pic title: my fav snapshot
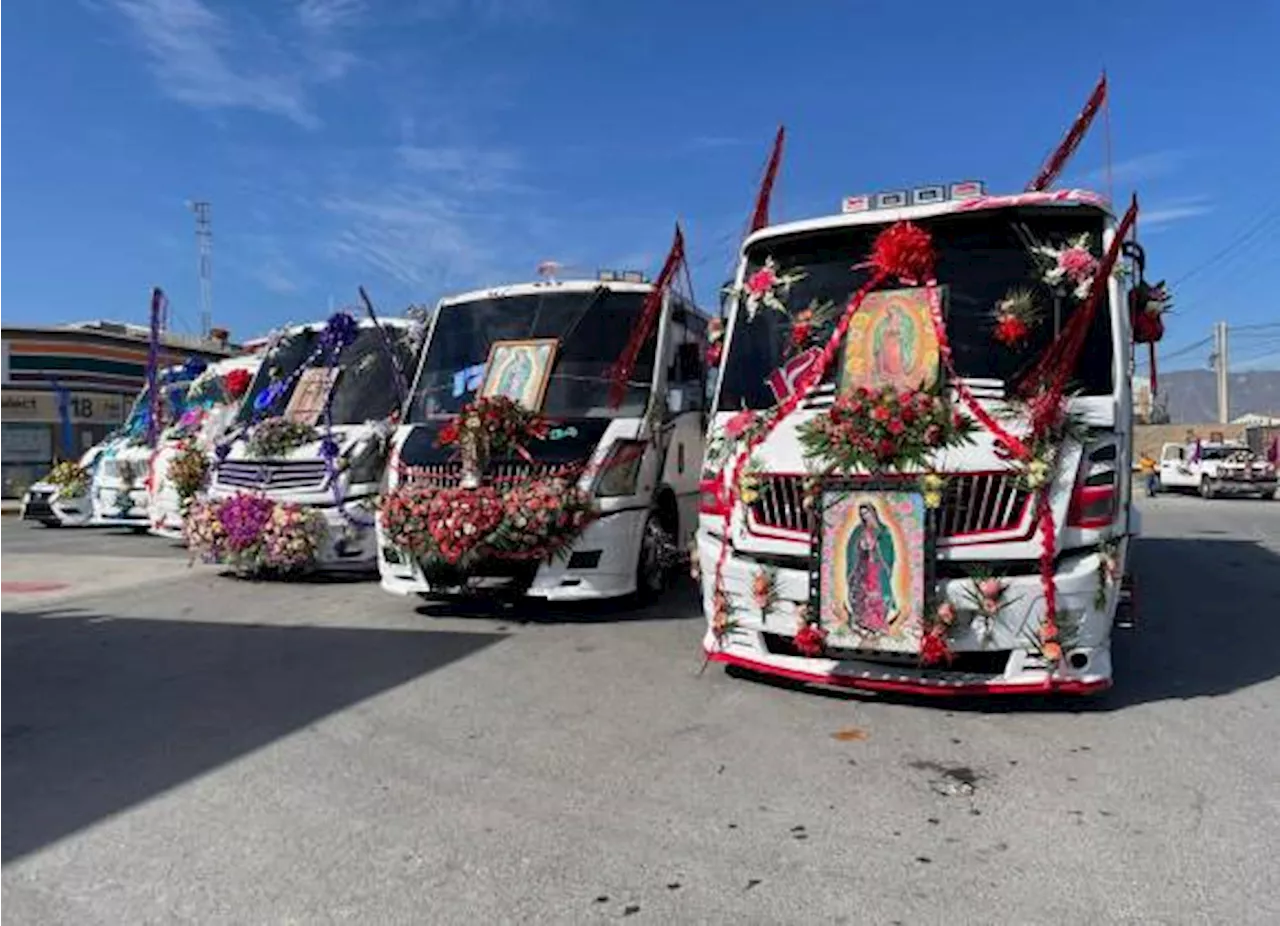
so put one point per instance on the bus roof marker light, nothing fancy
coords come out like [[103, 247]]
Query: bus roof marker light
[[632, 276], [852, 204], [607, 276], [894, 199], [928, 195], [969, 189]]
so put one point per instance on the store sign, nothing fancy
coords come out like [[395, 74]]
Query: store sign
[[84, 407], [27, 443]]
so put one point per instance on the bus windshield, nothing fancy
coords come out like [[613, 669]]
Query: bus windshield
[[982, 256], [365, 389], [591, 329]]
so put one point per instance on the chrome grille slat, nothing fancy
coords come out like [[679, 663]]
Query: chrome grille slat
[[971, 503], [269, 475]]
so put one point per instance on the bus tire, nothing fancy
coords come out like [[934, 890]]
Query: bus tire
[[1206, 487], [652, 568]]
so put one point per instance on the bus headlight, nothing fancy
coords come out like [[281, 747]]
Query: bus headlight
[[620, 470]]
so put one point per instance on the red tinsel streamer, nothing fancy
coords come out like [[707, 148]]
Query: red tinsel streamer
[[647, 323], [760, 216], [1048, 551], [1067, 147]]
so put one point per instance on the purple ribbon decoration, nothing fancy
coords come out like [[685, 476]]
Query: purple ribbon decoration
[[153, 360]]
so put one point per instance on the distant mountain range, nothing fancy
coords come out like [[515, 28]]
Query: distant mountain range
[[1191, 396]]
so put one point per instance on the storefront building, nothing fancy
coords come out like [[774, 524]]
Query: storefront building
[[95, 369]]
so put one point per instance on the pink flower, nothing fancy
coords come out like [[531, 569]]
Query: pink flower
[[946, 613], [990, 606], [990, 587], [736, 426], [761, 281], [1078, 264]]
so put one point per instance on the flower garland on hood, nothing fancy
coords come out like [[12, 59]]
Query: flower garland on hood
[[537, 518]]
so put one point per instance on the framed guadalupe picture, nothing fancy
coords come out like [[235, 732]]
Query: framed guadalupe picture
[[892, 342], [310, 394], [520, 370], [872, 570]]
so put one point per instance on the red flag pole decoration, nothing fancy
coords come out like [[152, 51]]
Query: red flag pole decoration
[[760, 217], [647, 323], [1058, 159]]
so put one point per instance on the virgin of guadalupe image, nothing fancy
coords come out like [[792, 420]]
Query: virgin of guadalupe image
[[869, 558], [514, 378], [894, 343]]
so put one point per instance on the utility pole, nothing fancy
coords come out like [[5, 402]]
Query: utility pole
[[204, 247], [1220, 363]]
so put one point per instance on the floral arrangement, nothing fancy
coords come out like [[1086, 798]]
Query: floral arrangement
[[493, 424], [502, 423], [534, 519], [188, 471], [255, 534], [764, 590], [810, 637], [931, 486], [767, 288], [1071, 267], [739, 429], [1016, 315], [715, 342], [934, 645], [884, 430], [236, 383], [987, 596], [70, 478], [278, 437], [811, 324], [1147, 306]]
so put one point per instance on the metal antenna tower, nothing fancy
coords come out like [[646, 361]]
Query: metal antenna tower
[[204, 245]]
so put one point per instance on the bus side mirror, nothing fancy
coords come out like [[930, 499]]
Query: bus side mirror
[[688, 363], [675, 400]]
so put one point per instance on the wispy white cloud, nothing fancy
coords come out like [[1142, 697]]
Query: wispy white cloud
[[467, 169], [421, 240], [202, 58], [1163, 215], [1139, 169], [279, 276], [322, 16]]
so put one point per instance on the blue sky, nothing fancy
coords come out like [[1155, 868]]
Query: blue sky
[[425, 147]]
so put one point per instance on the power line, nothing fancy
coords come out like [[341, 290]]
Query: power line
[[1244, 236]]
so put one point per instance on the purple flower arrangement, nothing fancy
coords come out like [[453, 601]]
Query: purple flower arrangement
[[254, 534]]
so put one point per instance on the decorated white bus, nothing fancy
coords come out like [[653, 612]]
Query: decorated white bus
[[917, 475], [119, 487], [552, 444], [184, 455], [295, 480]]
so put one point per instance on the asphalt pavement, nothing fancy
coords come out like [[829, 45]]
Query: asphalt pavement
[[193, 748]]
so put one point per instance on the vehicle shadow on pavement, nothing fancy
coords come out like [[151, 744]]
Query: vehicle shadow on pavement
[[102, 713], [1205, 623], [679, 602]]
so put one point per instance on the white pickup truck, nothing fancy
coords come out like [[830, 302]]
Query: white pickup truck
[[1215, 468]]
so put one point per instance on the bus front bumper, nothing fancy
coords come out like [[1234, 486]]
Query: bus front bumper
[[601, 565], [1004, 660]]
